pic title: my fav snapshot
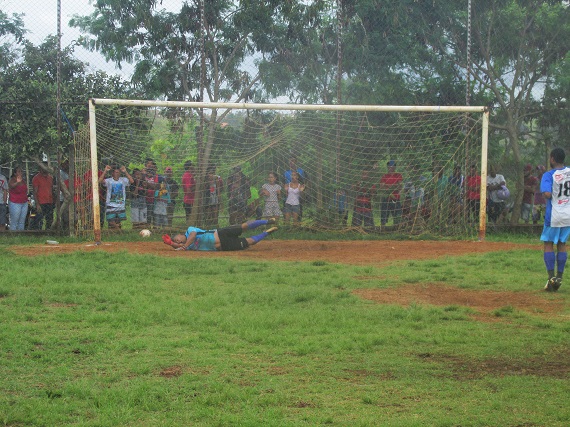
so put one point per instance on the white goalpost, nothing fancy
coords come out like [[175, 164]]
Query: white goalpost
[[343, 155]]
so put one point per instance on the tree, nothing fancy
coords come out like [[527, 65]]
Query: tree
[[11, 28], [28, 90], [169, 54], [418, 51], [28, 119], [516, 44], [554, 120]]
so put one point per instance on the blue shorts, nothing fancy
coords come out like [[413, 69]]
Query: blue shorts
[[116, 216], [555, 234]]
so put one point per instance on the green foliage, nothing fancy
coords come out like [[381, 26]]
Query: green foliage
[[28, 90], [165, 46], [554, 119], [12, 33]]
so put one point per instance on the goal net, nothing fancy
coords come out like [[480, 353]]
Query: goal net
[[366, 169]]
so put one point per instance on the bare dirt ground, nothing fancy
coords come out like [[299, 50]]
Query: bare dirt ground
[[373, 253], [376, 253]]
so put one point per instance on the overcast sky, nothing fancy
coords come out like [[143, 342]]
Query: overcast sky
[[41, 20]]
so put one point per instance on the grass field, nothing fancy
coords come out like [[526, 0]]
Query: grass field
[[122, 339]]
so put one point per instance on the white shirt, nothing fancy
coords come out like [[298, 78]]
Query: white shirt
[[3, 187], [560, 215], [491, 181], [272, 189], [116, 192], [293, 195]]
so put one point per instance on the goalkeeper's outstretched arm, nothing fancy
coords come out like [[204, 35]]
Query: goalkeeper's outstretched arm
[[179, 241]]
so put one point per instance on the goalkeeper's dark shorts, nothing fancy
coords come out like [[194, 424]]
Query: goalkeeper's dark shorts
[[230, 239]]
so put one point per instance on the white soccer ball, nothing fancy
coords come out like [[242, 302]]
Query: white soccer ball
[[145, 233]]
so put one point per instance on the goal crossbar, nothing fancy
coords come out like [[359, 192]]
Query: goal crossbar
[[304, 107]]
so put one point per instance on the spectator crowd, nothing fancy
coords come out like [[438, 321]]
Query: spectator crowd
[[149, 198]]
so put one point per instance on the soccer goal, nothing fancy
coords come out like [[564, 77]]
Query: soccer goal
[[358, 168]]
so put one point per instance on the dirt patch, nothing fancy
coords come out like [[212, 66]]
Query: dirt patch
[[484, 303], [171, 372], [375, 253], [555, 365]]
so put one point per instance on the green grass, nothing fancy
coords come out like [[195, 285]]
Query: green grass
[[101, 339]]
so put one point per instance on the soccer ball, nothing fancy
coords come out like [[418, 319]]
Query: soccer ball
[[145, 233]]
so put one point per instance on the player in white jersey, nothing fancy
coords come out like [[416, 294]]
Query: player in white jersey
[[555, 186]]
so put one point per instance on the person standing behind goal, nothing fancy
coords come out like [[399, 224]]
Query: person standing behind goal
[[391, 184], [116, 185], [530, 184], [189, 188], [42, 187], [138, 200], [3, 202], [271, 192], [473, 193], [555, 186]]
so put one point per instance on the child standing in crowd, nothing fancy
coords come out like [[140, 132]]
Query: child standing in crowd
[[363, 191], [530, 187], [271, 192], [238, 195], [213, 196], [162, 198], [116, 194], [4, 201], [539, 201], [173, 189], [293, 191], [138, 200], [189, 188]]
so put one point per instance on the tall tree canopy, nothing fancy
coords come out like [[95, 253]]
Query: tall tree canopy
[[12, 31], [28, 89], [165, 46]]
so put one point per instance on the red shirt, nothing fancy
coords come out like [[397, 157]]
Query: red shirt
[[531, 181], [189, 186], [43, 188], [19, 194], [473, 187], [538, 197], [89, 187], [392, 179], [363, 199], [150, 192], [76, 186]]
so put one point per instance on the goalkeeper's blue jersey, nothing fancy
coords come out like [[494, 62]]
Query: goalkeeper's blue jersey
[[205, 239]]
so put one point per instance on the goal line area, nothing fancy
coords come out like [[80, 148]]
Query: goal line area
[[372, 169]]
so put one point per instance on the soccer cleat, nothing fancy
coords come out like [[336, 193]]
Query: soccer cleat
[[271, 221], [271, 230], [557, 283], [550, 283]]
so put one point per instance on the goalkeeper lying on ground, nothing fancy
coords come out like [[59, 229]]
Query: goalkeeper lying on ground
[[224, 239]]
